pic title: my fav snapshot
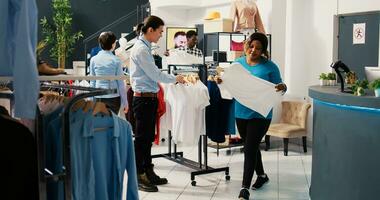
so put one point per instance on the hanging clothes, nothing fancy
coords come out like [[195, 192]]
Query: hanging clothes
[[130, 116], [97, 173], [161, 109], [187, 110], [99, 158], [19, 157], [220, 115], [18, 41], [247, 15]]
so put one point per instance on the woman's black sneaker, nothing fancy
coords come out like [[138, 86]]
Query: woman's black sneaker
[[260, 181], [244, 194]]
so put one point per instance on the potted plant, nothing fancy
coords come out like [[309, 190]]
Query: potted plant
[[375, 85], [331, 79], [323, 79], [58, 33], [358, 88]]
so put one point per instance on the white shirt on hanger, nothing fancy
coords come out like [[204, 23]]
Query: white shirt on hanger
[[185, 111]]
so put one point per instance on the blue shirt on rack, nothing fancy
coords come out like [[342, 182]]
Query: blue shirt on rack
[[107, 64], [266, 70], [18, 41], [99, 158], [143, 71]]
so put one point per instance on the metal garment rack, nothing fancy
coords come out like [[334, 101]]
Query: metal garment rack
[[217, 146], [65, 176], [45, 175], [201, 168]]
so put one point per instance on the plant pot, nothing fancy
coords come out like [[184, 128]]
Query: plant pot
[[377, 92], [322, 82], [325, 82], [330, 82]]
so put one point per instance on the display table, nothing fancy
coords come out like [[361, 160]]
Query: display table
[[346, 145]]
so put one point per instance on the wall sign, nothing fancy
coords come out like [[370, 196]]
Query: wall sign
[[358, 34]]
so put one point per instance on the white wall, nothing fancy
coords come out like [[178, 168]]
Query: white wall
[[354, 6], [311, 42], [309, 39]]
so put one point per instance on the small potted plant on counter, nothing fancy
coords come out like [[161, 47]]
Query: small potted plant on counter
[[375, 85], [331, 79], [323, 79], [358, 88]]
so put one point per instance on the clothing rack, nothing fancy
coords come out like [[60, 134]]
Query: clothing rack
[[66, 175], [201, 168], [45, 175], [214, 71]]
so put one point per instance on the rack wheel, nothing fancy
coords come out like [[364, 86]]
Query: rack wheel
[[228, 152], [162, 139], [193, 183], [228, 177], [242, 150]]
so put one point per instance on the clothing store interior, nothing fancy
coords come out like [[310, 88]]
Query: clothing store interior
[[190, 99]]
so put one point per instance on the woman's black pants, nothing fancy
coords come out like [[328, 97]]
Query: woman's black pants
[[252, 131]]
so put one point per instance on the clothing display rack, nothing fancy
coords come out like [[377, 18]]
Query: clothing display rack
[[65, 176], [200, 167], [217, 146], [44, 175]]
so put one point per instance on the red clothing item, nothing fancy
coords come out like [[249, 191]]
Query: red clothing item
[[130, 116], [161, 109]]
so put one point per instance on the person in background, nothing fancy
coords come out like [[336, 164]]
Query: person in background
[[145, 76], [251, 125], [105, 63], [192, 40], [246, 17]]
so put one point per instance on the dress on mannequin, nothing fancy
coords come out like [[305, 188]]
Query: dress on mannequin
[[246, 16]]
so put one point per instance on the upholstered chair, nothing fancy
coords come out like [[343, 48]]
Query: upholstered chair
[[292, 124]]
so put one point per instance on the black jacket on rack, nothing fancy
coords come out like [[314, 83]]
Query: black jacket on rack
[[19, 172]]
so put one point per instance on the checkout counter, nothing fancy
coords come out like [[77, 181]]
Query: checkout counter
[[346, 145]]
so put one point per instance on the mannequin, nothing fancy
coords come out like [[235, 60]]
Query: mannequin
[[246, 17]]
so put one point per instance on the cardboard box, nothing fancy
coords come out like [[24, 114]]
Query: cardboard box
[[233, 55], [217, 25]]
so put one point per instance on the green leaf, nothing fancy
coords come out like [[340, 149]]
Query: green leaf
[[57, 31]]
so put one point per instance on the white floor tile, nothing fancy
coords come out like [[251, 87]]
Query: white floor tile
[[289, 175]]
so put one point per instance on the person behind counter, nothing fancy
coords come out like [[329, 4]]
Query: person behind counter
[[105, 63], [251, 125], [145, 76]]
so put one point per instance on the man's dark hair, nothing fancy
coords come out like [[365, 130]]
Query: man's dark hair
[[106, 40], [153, 22], [179, 33], [191, 33]]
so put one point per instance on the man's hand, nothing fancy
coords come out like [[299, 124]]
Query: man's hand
[[281, 87], [218, 80], [166, 53], [180, 79]]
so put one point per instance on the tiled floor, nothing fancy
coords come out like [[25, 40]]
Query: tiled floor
[[289, 176]]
